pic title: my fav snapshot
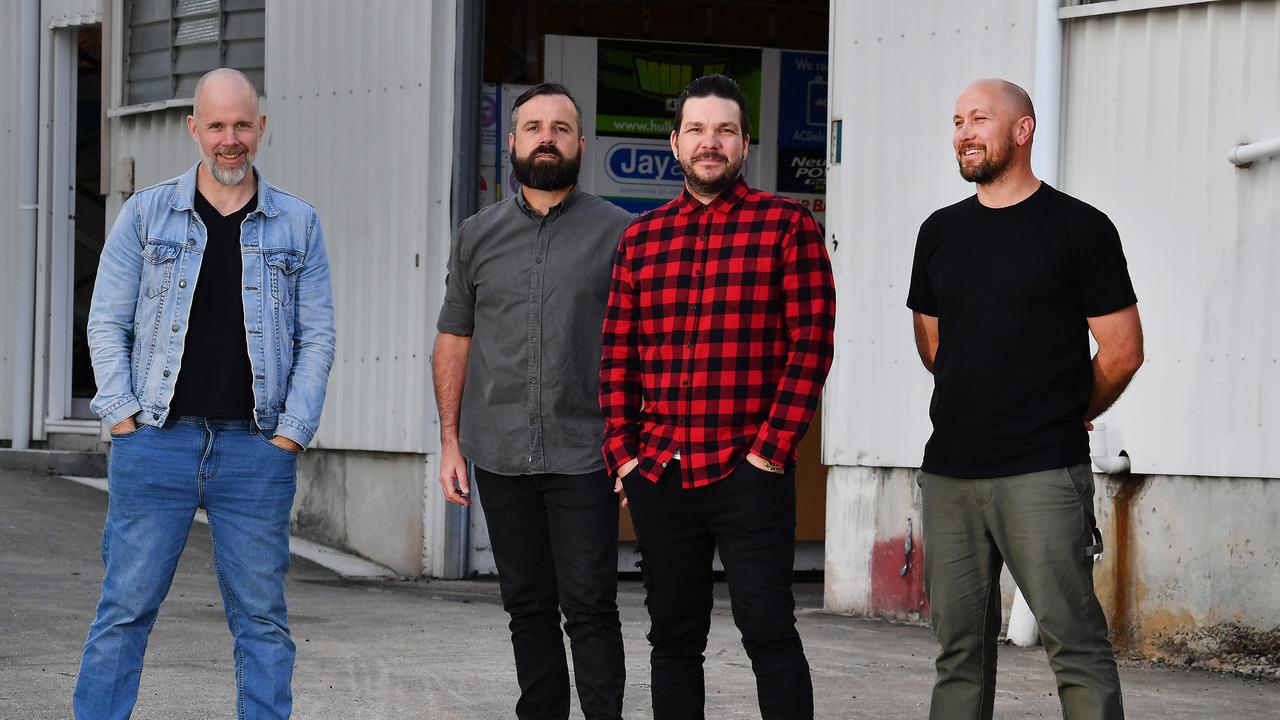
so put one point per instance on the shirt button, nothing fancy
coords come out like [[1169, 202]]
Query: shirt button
[[182, 283], [166, 373], [537, 260], [155, 416], [174, 327], [682, 382]]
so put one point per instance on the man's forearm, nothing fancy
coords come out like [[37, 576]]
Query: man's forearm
[[448, 374], [1110, 378]]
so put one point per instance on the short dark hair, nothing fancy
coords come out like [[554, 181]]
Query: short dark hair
[[546, 88], [721, 86]]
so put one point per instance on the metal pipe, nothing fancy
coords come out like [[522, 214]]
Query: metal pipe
[[28, 209], [1047, 92], [1047, 96], [469, 59], [1246, 155]]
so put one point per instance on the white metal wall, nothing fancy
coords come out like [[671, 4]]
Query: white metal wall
[[1154, 101], [10, 44], [896, 69], [359, 123], [361, 126]]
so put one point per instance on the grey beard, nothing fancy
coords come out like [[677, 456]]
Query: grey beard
[[230, 176]]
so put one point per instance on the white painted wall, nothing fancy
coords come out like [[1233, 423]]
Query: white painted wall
[[896, 69], [1154, 101]]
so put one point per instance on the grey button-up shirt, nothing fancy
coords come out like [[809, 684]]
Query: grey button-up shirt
[[531, 293]]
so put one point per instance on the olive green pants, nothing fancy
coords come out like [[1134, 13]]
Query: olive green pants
[[1042, 525]]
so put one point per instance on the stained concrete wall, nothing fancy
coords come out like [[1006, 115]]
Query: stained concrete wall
[[1187, 559], [368, 503], [1187, 556]]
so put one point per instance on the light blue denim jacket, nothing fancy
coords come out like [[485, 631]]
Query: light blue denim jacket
[[144, 290]]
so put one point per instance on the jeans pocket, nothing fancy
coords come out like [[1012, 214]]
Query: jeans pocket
[[279, 450], [132, 433]]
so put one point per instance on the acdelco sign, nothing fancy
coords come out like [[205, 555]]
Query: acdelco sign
[[636, 163]]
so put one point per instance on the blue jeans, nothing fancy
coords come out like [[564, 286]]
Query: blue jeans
[[158, 477]]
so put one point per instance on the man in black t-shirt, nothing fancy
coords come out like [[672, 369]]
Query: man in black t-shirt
[[1006, 287]]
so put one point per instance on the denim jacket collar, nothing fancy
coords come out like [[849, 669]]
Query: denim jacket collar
[[184, 193]]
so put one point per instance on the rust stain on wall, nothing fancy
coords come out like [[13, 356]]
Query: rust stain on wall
[[1122, 548]]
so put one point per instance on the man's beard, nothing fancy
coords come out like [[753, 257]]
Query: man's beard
[[547, 175], [229, 175], [713, 186], [995, 161]]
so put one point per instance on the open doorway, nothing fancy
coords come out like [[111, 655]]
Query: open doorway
[[89, 208], [77, 229], [530, 41]]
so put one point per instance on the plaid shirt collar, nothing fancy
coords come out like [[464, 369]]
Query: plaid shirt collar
[[724, 203]]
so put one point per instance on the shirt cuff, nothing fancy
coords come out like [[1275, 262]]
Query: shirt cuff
[[773, 445]]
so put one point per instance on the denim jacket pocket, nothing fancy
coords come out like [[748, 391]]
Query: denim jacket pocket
[[157, 271], [284, 265]]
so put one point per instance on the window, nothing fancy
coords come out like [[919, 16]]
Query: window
[[169, 44]]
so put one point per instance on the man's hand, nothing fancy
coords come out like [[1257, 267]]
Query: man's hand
[[453, 476], [286, 444], [624, 471], [763, 464], [124, 427]]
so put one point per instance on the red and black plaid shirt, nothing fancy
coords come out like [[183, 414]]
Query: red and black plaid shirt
[[718, 334]]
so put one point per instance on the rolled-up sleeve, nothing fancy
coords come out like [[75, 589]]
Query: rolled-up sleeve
[[457, 314]]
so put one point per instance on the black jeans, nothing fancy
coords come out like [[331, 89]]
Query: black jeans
[[751, 517], [555, 542]]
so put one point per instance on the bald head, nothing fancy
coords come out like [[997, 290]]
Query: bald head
[[226, 125], [225, 85], [995, 123], [1010, 97]]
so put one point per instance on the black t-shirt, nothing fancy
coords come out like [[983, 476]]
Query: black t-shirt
[[215, 379], [1012, 288]]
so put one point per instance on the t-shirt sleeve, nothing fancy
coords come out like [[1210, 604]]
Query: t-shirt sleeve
[[457, 314], [920, 296], [1105, 286]]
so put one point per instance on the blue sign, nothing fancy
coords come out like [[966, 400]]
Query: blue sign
[[648, 164], [802, 100]]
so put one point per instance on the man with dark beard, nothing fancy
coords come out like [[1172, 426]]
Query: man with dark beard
[[717, 340], [1006, 287], [515, 381]]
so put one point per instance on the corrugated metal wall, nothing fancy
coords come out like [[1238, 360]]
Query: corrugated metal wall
[[1154, 101], [10, 45], [62, 13], [360, 125], [896, 71]]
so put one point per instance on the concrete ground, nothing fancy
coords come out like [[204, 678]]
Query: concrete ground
[[439, 650]]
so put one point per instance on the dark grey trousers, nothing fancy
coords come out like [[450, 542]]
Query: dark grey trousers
[[1042, 525]]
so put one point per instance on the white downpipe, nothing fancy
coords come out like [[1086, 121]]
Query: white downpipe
[[1047, 92], [1100, 452], [1047, 96], [1023, 630], [24, 307], [1245, 155]]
